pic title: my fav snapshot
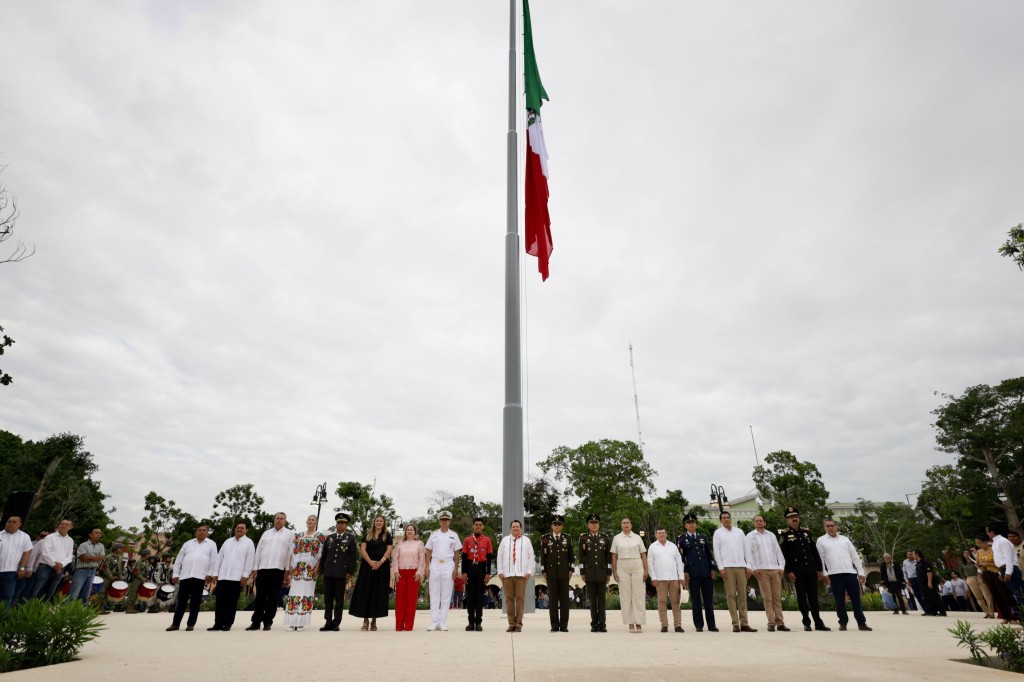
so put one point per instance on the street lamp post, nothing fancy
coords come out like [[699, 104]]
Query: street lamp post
[[319, 497], [719, 501]]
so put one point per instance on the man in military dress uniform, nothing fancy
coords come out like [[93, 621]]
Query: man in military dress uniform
[[595, 567], [337, 564], [700, 574], [803, 567], [557, 560]]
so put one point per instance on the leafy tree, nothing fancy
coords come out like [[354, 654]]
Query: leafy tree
[[783, 481], [490, 512], [60, 471], [363, 503], [876, 529], [607, 477], [540, 502], [985, 428], [239, 503], [165, 526], [1014, 246], [956, 502], [664, 512]]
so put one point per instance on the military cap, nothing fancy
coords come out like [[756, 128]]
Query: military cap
[[444, 514], [146, 552], [792, 511], [593, 517], [557, 518], [342, 516], [690, 517], [117, 545]]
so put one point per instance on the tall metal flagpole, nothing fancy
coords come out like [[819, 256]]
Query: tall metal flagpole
[[512, 415]]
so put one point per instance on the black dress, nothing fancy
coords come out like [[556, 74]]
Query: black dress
[[370, 595]]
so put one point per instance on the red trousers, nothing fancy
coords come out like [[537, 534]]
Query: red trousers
[[407, 592]]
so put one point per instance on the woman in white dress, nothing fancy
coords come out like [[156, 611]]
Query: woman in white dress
[[298, 608]]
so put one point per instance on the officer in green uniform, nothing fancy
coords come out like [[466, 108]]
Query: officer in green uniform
[[596, 569], [557, 561], [803, 567]]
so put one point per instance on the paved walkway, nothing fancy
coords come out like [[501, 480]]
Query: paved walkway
[[900, 648]]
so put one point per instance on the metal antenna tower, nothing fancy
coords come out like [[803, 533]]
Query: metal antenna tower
[[636, 400], [756, 460]]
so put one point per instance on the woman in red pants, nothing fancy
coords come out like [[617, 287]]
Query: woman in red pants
[[407, 576]]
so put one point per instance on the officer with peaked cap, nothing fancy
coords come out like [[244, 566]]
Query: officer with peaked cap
[[557, 561], [337, 564], [803, 567], [701, 572], [595, 567]]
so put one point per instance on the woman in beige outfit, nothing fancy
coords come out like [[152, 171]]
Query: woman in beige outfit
[[629, 568]]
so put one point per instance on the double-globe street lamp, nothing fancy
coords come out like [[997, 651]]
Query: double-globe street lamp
[[319, 497], [719, 501]]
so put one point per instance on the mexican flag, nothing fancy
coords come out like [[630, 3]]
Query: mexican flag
[[538, 222]]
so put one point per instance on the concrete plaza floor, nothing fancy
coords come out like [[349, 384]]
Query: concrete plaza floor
[[135, 646]]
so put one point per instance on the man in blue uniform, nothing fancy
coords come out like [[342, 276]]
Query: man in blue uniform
[[701, 572]]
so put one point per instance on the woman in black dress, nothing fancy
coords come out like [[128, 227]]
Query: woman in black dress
[[370, 595]]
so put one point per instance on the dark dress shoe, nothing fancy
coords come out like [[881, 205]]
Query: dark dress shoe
[[326, 628], [807, 628], [266, 627], [190, 628], [254, 626], [679, 628], [700, 629], [712, 629], [215, 628], [747, 628], [864, 627], [664, 628], [604, 628], [782, 628], [595, 629], [172, 628], [735, 628], [479, 628], [470, 628], [565, 629], [842, 627], [821, 627], [554, 629], [225, 628]]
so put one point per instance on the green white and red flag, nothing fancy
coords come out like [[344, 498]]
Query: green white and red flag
[[537, 221]]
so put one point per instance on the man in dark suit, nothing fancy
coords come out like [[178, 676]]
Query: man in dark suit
[[892, 578], [701, 572]]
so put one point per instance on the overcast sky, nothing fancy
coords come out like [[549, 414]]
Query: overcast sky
[[269, 238]]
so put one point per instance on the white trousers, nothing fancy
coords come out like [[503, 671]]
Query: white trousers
[[441, 583]]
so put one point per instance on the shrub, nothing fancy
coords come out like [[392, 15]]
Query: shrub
[[1008, 643], [38, 633]]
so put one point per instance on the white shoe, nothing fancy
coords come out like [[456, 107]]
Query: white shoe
[[432, 628], [443, 627]]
